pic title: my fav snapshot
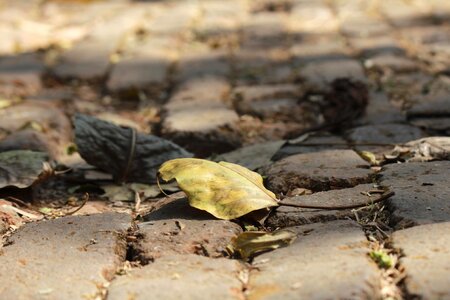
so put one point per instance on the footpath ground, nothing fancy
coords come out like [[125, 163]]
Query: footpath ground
[[239, 81]]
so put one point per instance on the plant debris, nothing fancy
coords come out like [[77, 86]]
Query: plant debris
[[23, 168], [250, 243], [225, 190], [127, 155]]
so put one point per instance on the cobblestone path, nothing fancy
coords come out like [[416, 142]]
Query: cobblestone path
[[237, 78]]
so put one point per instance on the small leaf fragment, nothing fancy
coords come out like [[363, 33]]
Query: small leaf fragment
[[225, 190], [250, 243], [369, 157], [23, 168], [382, 259]]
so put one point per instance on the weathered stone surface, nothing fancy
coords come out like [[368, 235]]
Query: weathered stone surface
[[362, 26], [199, 120], [383, 134], [263, 30], [312, 17], [432, 111], [285, 216], [66, 258], [268, 65], [174, 20], [181, 277], [380, 111], [219, 21], [388, 62], [178, 228], [431, 105], [254, 156], [52, 126], [146, 68], [318, 171], [20, 75], [320, 74], [28, 139], [280, 102], [313, 143], [372, 46], [426, 251], [326, 261], [200, 61], [320, 50], [400, 14], [90, 58], [421, 193]]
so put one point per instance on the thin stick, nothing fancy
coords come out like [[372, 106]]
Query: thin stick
[[382, 198], [159, 186], [85, 200]]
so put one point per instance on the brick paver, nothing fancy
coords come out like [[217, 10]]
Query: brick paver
[[68, 258]]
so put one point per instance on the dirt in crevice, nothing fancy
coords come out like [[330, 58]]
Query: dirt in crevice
[[376, 225]]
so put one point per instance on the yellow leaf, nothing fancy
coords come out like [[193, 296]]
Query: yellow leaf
[[223, 189], [369, 157], [250, 243]]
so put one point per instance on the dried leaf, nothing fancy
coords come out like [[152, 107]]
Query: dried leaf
[[425, 149], [250, 243], [113, 149], [22, 168], [225, 190], [369, 157]]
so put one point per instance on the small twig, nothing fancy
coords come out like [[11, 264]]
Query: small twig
[[382, 198], [137, 202], [159, 186], [85, 200], [18, 201]]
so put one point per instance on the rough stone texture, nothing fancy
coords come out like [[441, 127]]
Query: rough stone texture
[[66, 258], [426, 251], [53, 132], [263, 30], [320, 50], [383, 134], [313, 143], [265, 65], [362, 26], [319, 75], [20, 75], [318, 171], [266, 101], [388, 62], [326, 261], [421, 191], [372, 46], [177, 228], [280, 102], [174, 20], [285, 216], [200, 120], [181, 277], [431, 111], [146, 68], [90, 59], [199, 61], [380, 111], [254, 156], [312, 17]]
